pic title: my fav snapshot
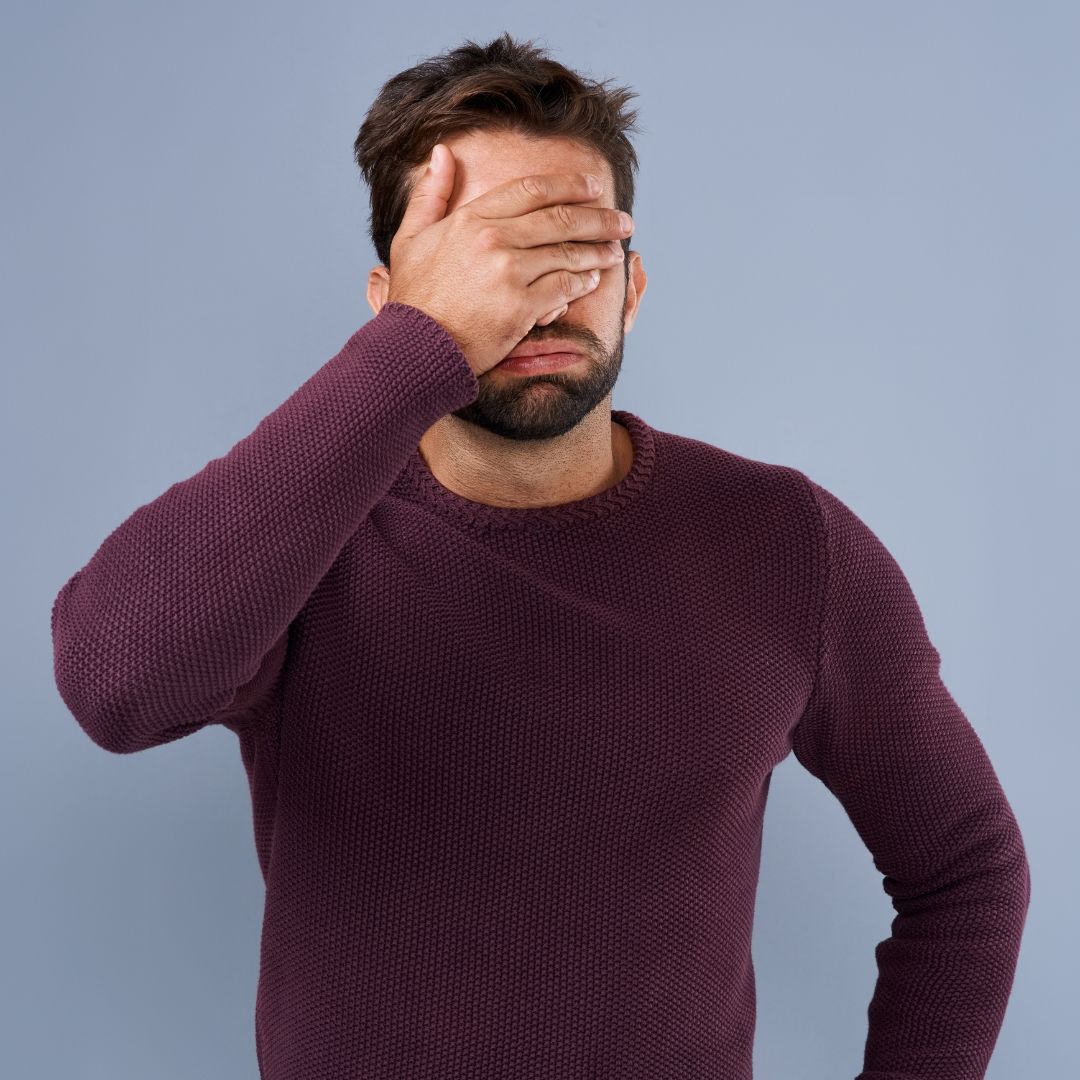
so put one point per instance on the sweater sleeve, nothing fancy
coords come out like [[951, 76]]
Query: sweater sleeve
[[180, 619], [884, 735]]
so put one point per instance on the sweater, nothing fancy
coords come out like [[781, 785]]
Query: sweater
[[508, 765]]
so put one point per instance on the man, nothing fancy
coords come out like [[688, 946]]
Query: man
[[510, 670]]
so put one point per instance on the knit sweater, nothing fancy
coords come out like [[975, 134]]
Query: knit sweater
[[508, 765]]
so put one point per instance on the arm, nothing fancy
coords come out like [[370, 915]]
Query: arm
[[884, 735], [180, 618]]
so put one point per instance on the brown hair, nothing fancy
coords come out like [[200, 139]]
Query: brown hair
[[504, 85]]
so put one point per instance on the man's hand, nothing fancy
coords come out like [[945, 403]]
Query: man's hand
[[512, 258]]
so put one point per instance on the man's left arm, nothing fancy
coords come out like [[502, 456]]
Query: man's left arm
[[885, 736]]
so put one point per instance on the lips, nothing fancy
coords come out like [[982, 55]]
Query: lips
[[538, 348], [539, 363]]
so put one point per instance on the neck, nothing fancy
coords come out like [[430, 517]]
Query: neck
[[487, 468]]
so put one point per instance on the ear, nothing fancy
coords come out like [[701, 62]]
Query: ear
[[378, 287], [635, 290]]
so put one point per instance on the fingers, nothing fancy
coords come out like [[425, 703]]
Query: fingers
[[555, 291], [555, 224], [525, 193], [533, 262], [551, 316], [431, 192]]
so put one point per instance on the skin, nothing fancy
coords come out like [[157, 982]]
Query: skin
[[537, 440]]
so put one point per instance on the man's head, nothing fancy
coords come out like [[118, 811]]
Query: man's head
[[507, 110]]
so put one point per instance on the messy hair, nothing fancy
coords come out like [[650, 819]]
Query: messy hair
[[505, 85]]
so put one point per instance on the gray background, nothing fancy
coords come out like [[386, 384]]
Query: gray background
[[860, 226]]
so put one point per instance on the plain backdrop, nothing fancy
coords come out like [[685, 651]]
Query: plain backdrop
[[860, 226]]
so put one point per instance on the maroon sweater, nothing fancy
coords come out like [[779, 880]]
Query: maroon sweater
[[509, 766]]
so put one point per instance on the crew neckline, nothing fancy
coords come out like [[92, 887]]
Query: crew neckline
[[419, 483]]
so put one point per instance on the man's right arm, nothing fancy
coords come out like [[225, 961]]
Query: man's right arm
[[180, 617]]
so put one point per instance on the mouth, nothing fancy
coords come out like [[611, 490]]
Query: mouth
[[536, 363]]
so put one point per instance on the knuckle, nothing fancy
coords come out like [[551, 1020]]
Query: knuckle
[[569, 253], [569, 284], [564, 216], [533, 185], [464, 217], [505, 261], [489, 238]]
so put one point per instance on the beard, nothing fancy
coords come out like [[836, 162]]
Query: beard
[[549, 404]]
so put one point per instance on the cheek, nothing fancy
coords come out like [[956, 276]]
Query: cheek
[[601, 310]]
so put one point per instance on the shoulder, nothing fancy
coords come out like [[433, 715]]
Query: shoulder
[[744, 492]]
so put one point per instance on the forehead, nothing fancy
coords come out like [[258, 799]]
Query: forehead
[[485, 159]]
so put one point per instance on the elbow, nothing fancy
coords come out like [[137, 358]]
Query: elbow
[[1014, 867], [117, 715], [88, 673], [1023, 885], [121, 725], [123, 718], [1006, 884], [101, 712], [91, 696]]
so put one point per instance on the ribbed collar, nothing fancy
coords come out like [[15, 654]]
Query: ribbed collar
[[418, 483]]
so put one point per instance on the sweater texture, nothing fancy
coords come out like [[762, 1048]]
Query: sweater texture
[[509, 766]]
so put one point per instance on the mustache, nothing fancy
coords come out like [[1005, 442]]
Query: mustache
[[586, 341]]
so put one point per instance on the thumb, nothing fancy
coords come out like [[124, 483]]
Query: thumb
[[431, 192]]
